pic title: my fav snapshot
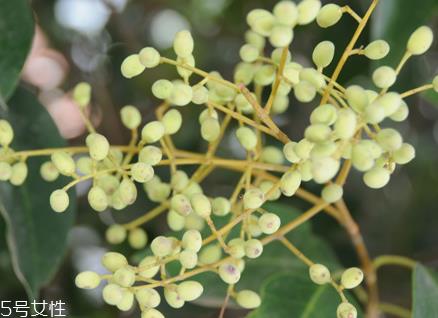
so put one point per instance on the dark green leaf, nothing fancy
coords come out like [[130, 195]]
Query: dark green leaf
[[36, 235], [275, 258], [294, 295], [16, 31], [424, 293]]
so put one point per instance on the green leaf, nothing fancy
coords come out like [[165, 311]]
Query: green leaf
[[16, 32], [36, 235], [424, 292], [294, 295], [275, 258]]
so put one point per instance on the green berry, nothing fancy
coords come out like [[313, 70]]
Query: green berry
[[97, 199], [389, 139], [87, 280], [329, 15], [172, 121], [181, 204], [98, 146], [162, 89], [18, 173], [5, 171], [150, 155], [152, 132], [304, 91], [390, 102], [420, 41], [229, 273], [269, 223], [162, 246], [190, 290], [332, 192], [221, 206], [210, 254], [325, 114], [323, 54], [253, 248], [148, 267], [401, 113], [84, 165], [181, 95], [152, 313], [345, 125], [112, 294], [374, 114], [281, 36], [148, 298], [435, 83], [48, 171], [317, 132], [308, 11], [352, 277], [172, 297], [265, 75], [82, 94], [115, 234], [127, 191], [188, 259], [384, 77], [404, 154], [247, 138], [59, 200], [192, 240], [271, 154], [244, 73], [124, 276], [63, 162], [290, 153], [243, 105], [127, 301], [266, 186], [249, 53], [376, 50], [131, 116], [292, 72], [324, 169], [277, 53], [319, 274], [6, 133], [112, 261], [137, 238], [346, 310], [280, 103], [142, 172], [261, 21], [210, 129], [131, 66], [183, 43], [248, 299], [255, 39], [290, 182], [201, 205], [187, 61], [175, 221], [236, 247], [376, 178], [357, 98], [286, 13], [253, 198], [149, 57], [200, 94], [179, 180]]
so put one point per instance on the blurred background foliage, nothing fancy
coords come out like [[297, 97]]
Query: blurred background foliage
[[401, 219]]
